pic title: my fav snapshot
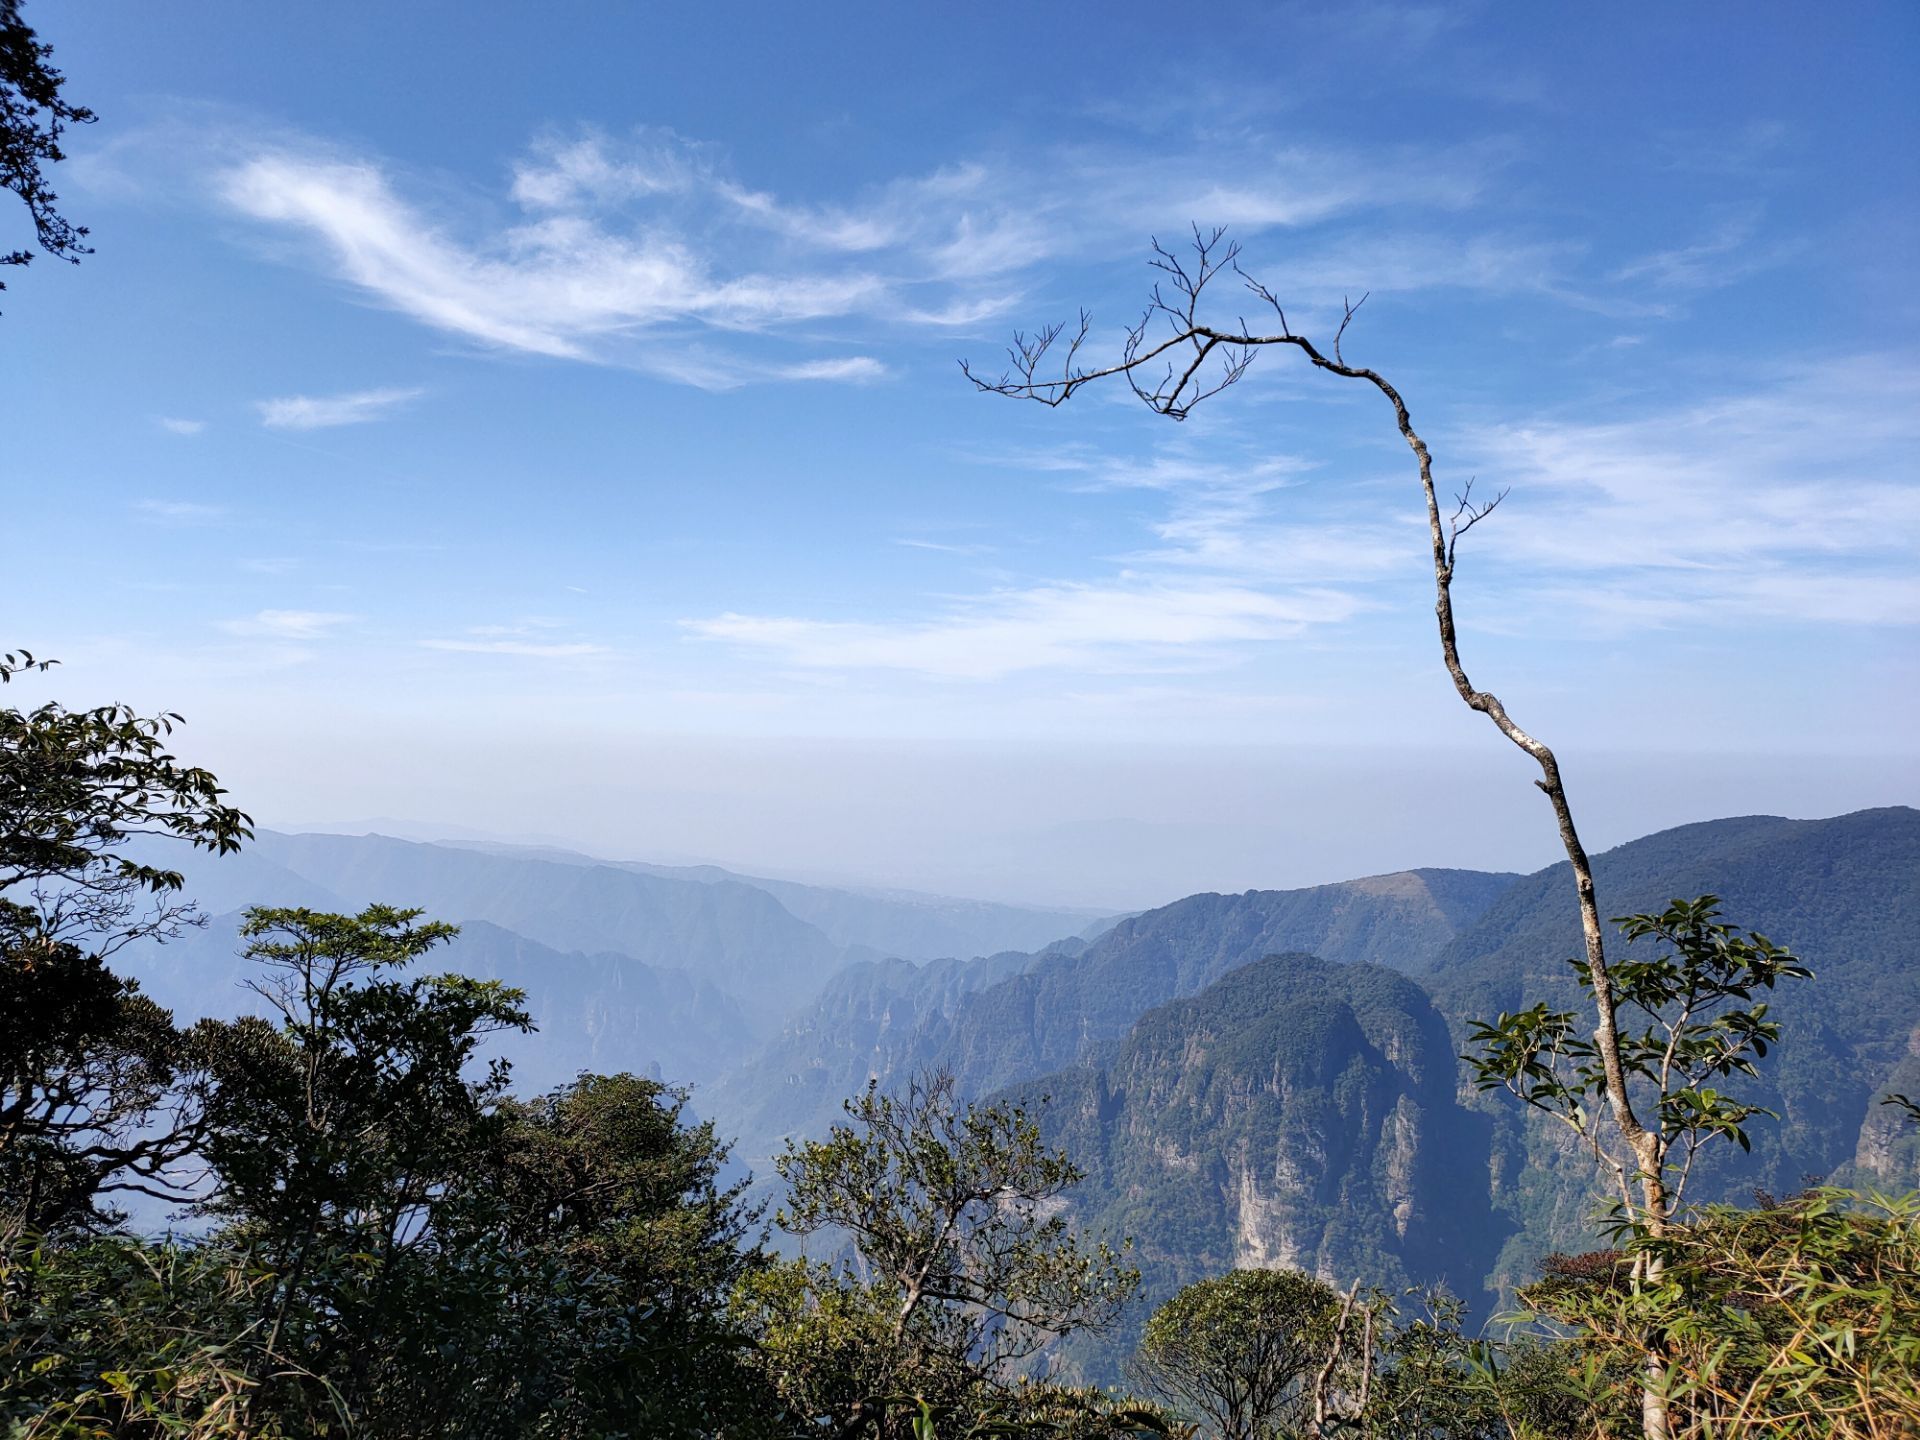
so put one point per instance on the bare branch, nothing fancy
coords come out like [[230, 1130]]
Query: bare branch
[[1346, 319], [1473, 514]]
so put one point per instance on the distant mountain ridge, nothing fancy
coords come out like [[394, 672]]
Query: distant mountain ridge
[[722, 961], [1235, 1108], [1173, 1025], [1066, 1005], [895, 924], [1014, 1017]]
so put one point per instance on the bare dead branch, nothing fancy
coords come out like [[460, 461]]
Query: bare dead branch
[[1181, 387], [1469, 513]]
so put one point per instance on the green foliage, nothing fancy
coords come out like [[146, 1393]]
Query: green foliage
[[1239, 1351], [337, 1137], [356, 1108], [1700, 1022], [1043, 1412], [1432, 1380], [1798, 1318], [85, 1060], [33, 116], [824, 1340], [116, 1336], [962, 1267], [619, 1247]]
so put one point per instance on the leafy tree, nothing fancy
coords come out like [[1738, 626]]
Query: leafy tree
[[607, 1249], [1797, 1317], [336, 1136], [86, 1061], [962, 1267], [33, 117], [1700, 1022], [1239, 1351]]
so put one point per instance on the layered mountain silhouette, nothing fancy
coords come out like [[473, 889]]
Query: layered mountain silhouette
[[1267, 1078]]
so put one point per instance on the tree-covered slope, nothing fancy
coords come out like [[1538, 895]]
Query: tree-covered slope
[[1066, 1006], [876, 1018], [1294, 1113]]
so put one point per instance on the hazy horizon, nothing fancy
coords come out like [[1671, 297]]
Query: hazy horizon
[[1056, 830]]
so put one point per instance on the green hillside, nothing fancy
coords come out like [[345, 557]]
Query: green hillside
[[1066, 1006], [1294, 1113]]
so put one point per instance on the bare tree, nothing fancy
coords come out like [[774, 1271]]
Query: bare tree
[[1173, 359]]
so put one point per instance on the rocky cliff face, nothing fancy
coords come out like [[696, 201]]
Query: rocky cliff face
[[1294, 1113]]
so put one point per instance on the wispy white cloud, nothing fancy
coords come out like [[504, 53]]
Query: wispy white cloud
[[179, 512], [943, 547], [176, 426], [1252, 518], [1730, 252], [552, 285], [288, 624], [1794, 500], [627, 240], [541, 650], [1126, 627], [320, 412], [523, 638], [852, 367]]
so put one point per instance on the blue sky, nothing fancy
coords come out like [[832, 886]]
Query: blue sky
[[548, 421]]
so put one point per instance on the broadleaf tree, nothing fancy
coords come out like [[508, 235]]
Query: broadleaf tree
[[960, 1266], [34, 115], [88, 1109]]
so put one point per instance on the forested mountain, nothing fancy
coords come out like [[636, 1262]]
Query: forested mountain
[[1065, 1006], [1294, 1113], [1023, 1016], [713, 981], [1290, 1111]]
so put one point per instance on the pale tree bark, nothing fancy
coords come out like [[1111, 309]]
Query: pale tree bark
[[1180, 379]]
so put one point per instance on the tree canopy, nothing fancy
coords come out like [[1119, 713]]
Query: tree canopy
[[33, 117]]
